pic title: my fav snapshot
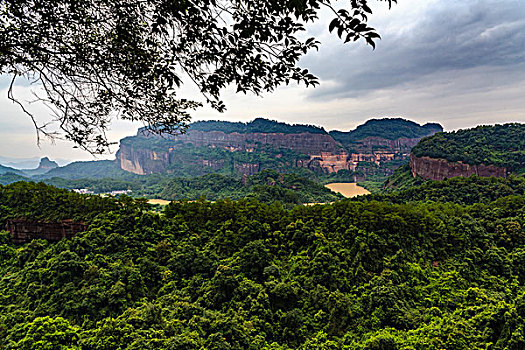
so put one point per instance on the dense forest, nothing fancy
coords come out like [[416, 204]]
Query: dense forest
[[258, 125], [431, 274], [461, 190], [499, 145], [387, 128], [266, 186]]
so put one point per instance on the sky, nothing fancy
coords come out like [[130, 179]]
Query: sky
[[458, 63]]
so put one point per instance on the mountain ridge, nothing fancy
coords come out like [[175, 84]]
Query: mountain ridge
[[244, 148]]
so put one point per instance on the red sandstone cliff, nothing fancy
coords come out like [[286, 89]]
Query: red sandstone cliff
[[400, 145], [306, 143], [325, 153], [142, 161], [24, 231], [440, 169]]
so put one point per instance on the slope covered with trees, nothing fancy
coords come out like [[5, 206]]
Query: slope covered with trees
[[266, 186], [258, 125], [245, 275], [498, 145], [461, 190], [387, 128]]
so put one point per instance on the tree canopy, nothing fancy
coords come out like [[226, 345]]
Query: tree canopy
[[245, 275], [499, 145], [96, 59]]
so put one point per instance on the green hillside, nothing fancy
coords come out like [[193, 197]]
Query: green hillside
[[246, 275], [461, 190], [266, 186], [387, 128], [258, 125], [499, 145], [89, 169], [7, 170]]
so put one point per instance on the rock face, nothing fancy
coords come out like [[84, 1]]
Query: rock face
[[247, 168], [142, 161], [306, 143], [24, 231], [47, 164], [400, 145], [440, 169], [329, 162], [203, 151]]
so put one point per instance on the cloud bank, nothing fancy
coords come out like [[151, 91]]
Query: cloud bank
[[428, 40]]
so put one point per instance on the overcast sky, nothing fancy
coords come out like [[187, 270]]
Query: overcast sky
[[459, 63]]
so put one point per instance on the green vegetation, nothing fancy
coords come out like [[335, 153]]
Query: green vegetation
[[372, 186], [8, 170], [8, 178], [499, 145], [387, 128], [246, 275], [90, 169], [258, 125], [461, 190], [39, 201], [266, 186], [402, 179]]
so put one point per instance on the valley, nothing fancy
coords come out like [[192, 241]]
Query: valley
[[182, 166], [235, 259]]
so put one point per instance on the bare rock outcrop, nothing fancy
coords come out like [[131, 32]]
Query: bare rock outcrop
[[440, 169], [24, 231], [306, 143], [142, 161]]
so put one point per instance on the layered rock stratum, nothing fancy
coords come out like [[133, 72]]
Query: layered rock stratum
[[440, 169], [250, 149], [487, 150]]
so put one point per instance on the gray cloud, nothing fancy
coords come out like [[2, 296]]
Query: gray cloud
[[446, 36]]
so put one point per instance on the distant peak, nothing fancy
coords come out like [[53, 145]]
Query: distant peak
[[46, 163]]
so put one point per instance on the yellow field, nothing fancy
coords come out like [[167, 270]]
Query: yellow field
[[158, 201], [347, 189]]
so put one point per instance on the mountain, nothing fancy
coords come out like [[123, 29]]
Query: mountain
[[6, 170], [258, 125], [88, 169], [379, 134], [247, 148], [497, 150], [47, 164], [485, 151], [28, 163], [20, 163], [44, 166]]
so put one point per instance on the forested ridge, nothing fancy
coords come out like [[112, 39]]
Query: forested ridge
[[387, 128], [258, 125], [247, 275], [461, 190], [499, 145]]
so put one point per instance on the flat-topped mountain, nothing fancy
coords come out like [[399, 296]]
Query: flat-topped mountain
[[258, 125], [394, 134], [246, 148], [484, 151]]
